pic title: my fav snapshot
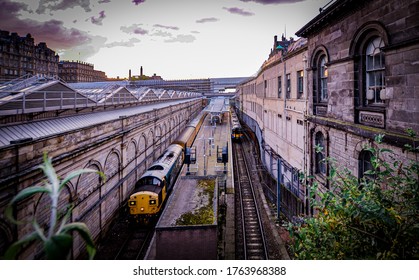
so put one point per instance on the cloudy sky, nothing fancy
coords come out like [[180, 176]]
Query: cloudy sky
[[176, 39]]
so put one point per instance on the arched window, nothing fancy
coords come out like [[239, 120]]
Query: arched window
[[323, 73], [365, 163], [320, 152], [319, 65], [374, 71]]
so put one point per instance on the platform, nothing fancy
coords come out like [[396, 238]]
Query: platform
[[191, 200]]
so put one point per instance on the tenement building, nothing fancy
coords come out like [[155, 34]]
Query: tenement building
[[360, 73], [78, 71], [20, 56], [273, 105]]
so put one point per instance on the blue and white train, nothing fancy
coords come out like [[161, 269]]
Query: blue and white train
[[154, 186]]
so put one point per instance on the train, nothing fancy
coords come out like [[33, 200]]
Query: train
[[236, 128], [154, 186]]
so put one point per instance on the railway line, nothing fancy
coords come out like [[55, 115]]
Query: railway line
[[125, 242], [250, 238]]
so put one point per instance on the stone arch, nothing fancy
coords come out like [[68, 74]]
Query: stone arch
[[142, 143], [360, 146], [131, 150], [112, 164], [318, 51], [177, 122], [89, 182], [164, 135], [150, 139], [158, 139], [366, 32], [172, 127], [150, 147], [42, 210], [6, 235], [363, 95], [158, 131], [142, 147], [313, 133]]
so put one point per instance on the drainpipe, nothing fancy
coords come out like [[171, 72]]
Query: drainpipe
[[305, 112]]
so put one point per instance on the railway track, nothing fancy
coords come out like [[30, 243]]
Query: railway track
[[124, 242], [249, 234], [135, 246]]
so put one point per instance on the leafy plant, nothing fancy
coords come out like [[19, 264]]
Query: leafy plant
[[57, 239], [375, 217]]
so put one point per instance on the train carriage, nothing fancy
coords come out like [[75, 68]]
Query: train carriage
[[236, 128], [155, 184]]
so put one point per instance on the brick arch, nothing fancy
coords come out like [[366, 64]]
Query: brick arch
[[112, 164], [88, 182]]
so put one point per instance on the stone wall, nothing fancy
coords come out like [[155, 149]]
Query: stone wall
[[342, 36], [121, 149]]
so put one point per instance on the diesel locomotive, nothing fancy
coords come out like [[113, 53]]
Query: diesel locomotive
[[236, 128], [154, 186]]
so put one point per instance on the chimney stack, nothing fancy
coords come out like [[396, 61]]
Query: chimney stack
[[141, 71]]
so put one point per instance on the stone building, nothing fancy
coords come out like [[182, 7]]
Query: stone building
[[79, 71], [273, 105], [360, 69], [362, 80], [20, 56]]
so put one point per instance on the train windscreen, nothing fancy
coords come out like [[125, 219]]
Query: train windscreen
[[149, 181]]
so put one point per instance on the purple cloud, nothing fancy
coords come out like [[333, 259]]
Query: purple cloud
[[204, 20], [140, 31], [238, 11], [137, 2], [98, 21], [267, 2], [166, 27], [9, 10], [51, 32], [134, 29]]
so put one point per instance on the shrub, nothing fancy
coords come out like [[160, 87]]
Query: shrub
[[57, 238], [375, 217]]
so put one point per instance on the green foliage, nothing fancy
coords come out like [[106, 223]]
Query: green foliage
[[57, 240], [375, 217]]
